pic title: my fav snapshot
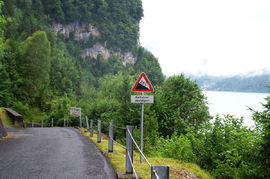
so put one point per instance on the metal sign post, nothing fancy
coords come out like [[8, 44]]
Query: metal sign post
[[141, 157], [142, 85]]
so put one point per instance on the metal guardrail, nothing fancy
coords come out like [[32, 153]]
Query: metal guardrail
[[157, 172]]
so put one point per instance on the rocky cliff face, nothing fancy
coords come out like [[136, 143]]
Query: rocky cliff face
[[127, 57], [83, 32]]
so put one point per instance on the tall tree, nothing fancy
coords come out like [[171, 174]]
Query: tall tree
[[146, 62], [34, 66], [181, 104], [54, 10], [2, 24], [4, 80], [263, 123]]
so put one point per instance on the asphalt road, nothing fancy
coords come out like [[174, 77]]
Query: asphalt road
[[51, 153]]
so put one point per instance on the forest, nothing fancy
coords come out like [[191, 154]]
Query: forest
[[42, 75]]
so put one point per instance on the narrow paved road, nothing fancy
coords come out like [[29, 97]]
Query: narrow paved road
[[51, 153]]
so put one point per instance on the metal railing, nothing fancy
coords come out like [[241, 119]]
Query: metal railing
[[157, 172]]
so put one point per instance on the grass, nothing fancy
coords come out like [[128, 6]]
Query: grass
[[117, 159], [5, 138]]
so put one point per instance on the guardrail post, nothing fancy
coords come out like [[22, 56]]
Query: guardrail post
[[87, 123], [111, 137], [163, 172], [129, 150], [3, 132], [99, 131], [91, 128], [52, 122]]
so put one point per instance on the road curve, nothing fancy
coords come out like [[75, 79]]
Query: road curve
[[52, 153]]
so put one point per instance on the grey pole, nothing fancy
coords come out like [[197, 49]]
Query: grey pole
[[3, 132], [87, 123], [163, 172], [141, 157], [32, 123], [91, 128], [52, 122], [81, 120], [42, 123], [99, 131], [111, 137], [129, 150]]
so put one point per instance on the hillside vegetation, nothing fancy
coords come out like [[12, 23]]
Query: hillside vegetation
[[178, 169], [43, 74]]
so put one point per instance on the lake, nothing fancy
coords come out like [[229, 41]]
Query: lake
[[235, 103]]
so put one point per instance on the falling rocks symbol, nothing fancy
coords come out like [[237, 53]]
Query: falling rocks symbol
[[142, 84]]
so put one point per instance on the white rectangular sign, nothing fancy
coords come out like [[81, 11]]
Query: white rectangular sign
[[142, 99], [75, 111]]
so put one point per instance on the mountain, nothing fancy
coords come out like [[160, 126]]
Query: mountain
[[259, 84], [57, 50], [104, 28]]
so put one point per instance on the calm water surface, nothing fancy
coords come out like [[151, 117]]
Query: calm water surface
[[235, 103]]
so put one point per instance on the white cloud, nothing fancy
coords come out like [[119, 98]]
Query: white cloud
[[232, 36]]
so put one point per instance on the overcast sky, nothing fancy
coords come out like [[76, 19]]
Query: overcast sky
[[214, 37]]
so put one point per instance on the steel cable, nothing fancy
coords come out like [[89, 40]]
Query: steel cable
[[119, 127], [117, 142], [139, 149], [132, 165], [156, 174]]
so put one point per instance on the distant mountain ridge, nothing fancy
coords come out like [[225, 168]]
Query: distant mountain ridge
[[258, 84]]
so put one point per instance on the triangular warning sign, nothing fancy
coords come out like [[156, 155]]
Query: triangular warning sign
[[142, 84]]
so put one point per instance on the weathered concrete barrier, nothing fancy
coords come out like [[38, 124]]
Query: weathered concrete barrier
[[3, 132]]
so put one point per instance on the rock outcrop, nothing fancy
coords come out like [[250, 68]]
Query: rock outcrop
[[83, 32], [100, 49]]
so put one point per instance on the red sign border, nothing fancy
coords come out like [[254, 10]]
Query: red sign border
[[151, 90]]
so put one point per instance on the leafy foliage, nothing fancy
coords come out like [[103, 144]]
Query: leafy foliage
[[180, 105], [146, 62], [262, 120], [227, 148], [118, 21], [177, 147], [34, 66]]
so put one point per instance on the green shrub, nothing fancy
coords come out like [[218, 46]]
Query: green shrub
[[177, 147]]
